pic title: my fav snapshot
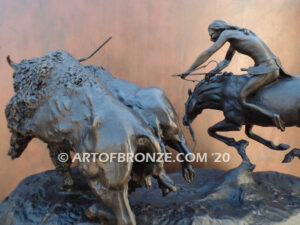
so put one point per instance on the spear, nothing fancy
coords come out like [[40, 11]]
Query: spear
[[179, 75]]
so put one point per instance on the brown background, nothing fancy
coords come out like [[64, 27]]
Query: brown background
[[151, 40]]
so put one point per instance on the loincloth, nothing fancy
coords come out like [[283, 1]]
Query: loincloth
[[265, 67]]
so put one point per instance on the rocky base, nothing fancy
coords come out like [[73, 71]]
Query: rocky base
[[216, 197]]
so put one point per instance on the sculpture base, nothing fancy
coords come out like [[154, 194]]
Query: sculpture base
[[215, 197]]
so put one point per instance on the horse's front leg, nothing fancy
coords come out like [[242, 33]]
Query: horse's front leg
[[265, 142], [227, 125]]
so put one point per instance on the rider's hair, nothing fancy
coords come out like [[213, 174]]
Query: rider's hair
[[222, 25]]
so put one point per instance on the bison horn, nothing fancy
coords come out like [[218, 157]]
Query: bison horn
[[11, 63], [189, 91]]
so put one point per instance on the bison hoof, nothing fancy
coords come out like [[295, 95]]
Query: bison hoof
[[165, 183], [188, 173], [13, 153], [165, 191], [67, 188], [97, 212]]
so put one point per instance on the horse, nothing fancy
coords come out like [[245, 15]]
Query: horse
[[222, 93]]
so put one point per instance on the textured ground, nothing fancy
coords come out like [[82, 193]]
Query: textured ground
[[215, 197]]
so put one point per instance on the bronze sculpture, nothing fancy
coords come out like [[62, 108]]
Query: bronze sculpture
[[63, 104], [267, 68], [87, 110]]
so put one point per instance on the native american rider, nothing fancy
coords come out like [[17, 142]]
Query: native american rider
[[266, 70]]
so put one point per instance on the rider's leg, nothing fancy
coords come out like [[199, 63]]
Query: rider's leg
[[254, 84]]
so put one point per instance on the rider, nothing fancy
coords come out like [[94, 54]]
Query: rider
[[266, 70]]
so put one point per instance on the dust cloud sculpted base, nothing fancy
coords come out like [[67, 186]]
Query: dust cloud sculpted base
[[233, 197]]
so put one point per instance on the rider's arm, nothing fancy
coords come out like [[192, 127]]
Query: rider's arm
[[209, 52], [223, 64]]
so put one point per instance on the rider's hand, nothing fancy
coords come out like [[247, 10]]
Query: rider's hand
[[210, 74], [183, 75]]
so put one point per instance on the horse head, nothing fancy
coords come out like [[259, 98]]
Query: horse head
[[207, 94]]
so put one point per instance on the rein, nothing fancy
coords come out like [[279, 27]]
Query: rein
[[196, 74]]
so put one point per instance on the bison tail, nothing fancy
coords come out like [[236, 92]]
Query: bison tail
[[149, 144]]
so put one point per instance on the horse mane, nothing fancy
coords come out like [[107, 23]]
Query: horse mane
[[220, 78], [215, 79]]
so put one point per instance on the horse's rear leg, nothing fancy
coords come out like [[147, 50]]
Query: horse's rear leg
[[227, 125], [118, 212], [265, 142], [290, 156]]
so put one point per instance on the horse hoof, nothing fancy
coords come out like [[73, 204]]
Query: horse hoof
[[252, 167], [283, 147], [243, 143], [287, 158]]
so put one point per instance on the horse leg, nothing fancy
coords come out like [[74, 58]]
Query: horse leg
[[181, 147], [290, 156], [265, 142], [241, 145], [61, 166]]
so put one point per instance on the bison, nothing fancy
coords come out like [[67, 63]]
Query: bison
[[65, 105]]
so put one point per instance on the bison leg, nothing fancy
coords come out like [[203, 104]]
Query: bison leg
[[265, 142], [165, 183], [115, 200], [110, 183], [188, 171], [241, 145], [290, 156], [18, 143], [62, 165], [181, 147]]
